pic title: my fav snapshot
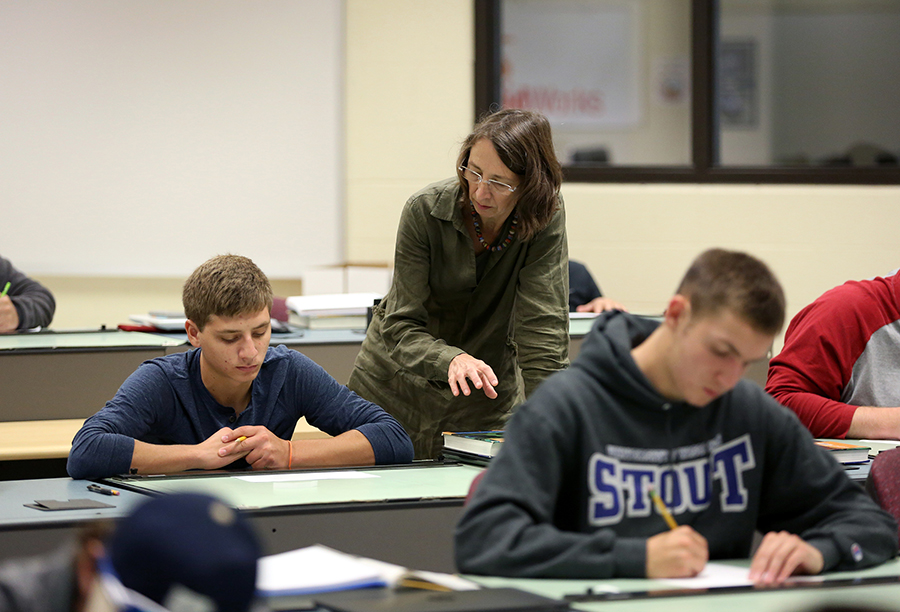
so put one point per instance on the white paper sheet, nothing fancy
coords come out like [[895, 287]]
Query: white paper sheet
[[303, 476], [718, 575], [715, 575]]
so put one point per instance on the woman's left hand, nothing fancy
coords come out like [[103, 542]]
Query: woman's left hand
[[482, 376]]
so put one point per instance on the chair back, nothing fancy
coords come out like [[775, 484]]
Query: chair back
[[280, 309], [883, 482], [474, 486]]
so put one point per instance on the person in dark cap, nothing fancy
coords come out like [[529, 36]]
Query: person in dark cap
[[187, 546], [175, 553]]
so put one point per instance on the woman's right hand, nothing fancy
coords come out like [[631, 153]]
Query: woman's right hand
[[482, 376]]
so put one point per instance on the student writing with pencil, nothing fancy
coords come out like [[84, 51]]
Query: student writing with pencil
[[24, 303], [663, 407]]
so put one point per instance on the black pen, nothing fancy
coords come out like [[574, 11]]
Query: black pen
[[102, 490]]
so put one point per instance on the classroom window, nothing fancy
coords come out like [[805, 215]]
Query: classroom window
[[799, 91], [805, 83]]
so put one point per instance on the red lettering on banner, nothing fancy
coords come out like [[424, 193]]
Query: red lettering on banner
[[552, 101]]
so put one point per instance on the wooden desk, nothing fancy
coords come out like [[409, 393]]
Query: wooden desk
[[402, 514], [655, 599], [36, 449], [21, 440]]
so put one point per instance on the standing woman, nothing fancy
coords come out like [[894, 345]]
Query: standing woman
[[477, 315]]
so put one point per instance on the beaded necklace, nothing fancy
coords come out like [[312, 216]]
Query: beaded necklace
[[506, 241]]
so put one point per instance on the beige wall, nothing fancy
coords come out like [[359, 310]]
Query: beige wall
[[409, 102], [639, 239]]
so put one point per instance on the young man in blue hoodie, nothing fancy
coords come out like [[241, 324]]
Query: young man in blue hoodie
[[233, 401], [663, 406]]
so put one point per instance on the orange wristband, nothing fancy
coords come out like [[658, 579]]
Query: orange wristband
[[290, 453]]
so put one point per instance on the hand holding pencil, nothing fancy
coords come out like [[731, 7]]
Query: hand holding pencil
[[9, 316], [679, 552]]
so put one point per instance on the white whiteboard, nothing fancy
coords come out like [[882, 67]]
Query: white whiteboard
[[141, 138]]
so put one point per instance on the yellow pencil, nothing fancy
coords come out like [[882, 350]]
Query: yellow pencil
[[241, 439], [661, 506]]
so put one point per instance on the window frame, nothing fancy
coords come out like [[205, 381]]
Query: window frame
[[703, 146]]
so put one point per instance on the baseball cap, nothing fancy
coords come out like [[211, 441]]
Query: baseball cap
[[185, 546]]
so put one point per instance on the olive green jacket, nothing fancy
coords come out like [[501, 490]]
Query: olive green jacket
[[515, 319]]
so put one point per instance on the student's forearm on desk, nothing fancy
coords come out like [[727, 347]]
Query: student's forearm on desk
[[350, 448], [875, 423], [167, 458], [163, 459]]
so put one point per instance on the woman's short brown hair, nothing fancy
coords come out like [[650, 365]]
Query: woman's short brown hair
[[525, 145], [225, 286]]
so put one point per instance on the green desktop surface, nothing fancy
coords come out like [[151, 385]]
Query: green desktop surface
[[103, 338], [580, 323], [47, 340], [580, 327], [877, 586], [261, 490]]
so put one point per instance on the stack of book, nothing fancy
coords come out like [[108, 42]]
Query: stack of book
[[845, 452], [163, 320], [476, 447], [333, 311]]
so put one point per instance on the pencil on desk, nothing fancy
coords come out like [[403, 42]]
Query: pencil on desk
[[102, 490], [661, 506]]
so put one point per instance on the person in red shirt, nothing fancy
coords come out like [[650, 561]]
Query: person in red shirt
[[839, 369]]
